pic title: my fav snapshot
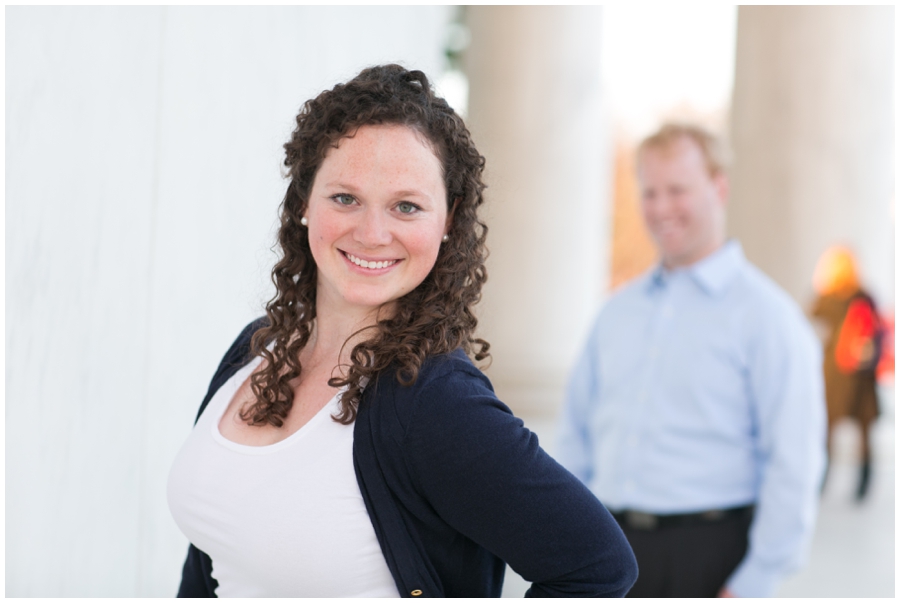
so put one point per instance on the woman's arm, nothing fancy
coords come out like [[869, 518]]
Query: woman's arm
[[486, 475], [196, 575]]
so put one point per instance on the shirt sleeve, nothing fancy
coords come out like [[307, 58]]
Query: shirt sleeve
[[785, 376], [573, 448], [485, 474]]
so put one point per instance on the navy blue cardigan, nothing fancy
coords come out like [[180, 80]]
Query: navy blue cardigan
[[456, 487]]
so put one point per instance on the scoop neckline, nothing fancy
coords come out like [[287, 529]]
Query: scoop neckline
[[233, 385]]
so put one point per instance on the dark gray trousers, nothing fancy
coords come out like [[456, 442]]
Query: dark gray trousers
[[687, 561]]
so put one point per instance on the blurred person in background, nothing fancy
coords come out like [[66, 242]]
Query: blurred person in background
[[852, 349], [695, 412], [347, 446]]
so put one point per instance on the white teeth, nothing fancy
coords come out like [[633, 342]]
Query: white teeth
[[370, 265]]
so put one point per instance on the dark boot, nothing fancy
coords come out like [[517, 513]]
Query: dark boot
[[864, 475]]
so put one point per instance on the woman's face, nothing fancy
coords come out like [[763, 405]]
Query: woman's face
[[376, 213]]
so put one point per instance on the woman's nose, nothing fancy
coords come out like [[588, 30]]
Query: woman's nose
[[373, 229]]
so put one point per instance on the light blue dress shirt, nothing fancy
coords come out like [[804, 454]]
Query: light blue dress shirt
[[701, 388]]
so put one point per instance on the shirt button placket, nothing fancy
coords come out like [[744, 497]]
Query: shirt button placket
[[649, 372]]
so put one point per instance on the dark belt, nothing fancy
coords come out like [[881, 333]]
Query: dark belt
[[638, 520]]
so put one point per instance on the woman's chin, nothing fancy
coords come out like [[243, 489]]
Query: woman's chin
[[368, 303]]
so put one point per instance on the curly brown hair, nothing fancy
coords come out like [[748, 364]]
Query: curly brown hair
[[436, 317]]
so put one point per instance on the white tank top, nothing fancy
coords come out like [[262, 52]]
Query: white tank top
[[285, 520]]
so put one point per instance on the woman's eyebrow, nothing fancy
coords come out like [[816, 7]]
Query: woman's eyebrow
[[341, 185], [412, 193], [408, 192]]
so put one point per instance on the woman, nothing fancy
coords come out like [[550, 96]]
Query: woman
[[347, 446], [852, 349]]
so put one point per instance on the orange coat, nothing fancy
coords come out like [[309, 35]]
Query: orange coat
[[849, 392]]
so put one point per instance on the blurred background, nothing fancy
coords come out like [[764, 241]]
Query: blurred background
[[143, 178]]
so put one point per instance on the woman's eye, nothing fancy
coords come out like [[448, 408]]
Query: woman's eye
[[405, 207], [343, 199]]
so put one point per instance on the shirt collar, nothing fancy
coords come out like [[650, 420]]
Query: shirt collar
[[713, 273]]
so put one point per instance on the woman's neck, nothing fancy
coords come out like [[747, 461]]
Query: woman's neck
[[337, 331]]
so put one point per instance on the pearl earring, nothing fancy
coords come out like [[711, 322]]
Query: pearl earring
[[304, 221], [445, 238]]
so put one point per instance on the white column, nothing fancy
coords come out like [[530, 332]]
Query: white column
[[813, 135], [535, 111], [143, 182]]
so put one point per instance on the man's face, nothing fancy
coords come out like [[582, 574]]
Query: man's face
[[683, 205]]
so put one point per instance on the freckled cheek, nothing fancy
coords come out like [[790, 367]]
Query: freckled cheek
[[324, 230], [424, 248]]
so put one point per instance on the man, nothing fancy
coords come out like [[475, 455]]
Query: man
[[696, 410]]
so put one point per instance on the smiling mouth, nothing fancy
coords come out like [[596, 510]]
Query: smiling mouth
[[370, 265], [667, 227]]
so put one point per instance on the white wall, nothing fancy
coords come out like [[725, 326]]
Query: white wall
[[143, 158]]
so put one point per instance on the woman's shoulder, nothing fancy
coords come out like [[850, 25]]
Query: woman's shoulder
[[443, 377], [448, 390], [237, 356], [239, 353], [455, 365], [246, 334]]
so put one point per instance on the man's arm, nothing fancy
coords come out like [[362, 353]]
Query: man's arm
[[789, 408], [573, 442]]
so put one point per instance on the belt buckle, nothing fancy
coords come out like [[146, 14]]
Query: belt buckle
[[713, 515], [641, 521]]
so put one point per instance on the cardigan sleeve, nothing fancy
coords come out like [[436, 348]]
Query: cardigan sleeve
[[196, 576], [486, 475]]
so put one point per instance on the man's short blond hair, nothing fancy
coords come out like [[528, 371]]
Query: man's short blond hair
[[714, 150]]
